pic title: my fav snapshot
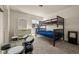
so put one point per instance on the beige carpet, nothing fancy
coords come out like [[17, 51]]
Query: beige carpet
[[44, 46]]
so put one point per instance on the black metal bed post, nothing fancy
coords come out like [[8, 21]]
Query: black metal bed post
[[57, 21], [35, 31], [63, 28], [62, 24], [54, 42]]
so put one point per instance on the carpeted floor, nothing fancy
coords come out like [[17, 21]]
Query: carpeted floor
[[44, 45]]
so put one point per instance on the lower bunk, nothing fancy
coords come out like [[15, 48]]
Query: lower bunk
[[54, 35]]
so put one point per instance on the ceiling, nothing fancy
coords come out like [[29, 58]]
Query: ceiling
[[45, 11]]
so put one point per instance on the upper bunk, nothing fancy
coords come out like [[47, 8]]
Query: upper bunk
[[58, 21]]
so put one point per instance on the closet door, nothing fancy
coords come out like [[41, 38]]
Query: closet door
[[22, 24]]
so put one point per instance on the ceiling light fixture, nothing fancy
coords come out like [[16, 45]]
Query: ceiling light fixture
[[40, 5]]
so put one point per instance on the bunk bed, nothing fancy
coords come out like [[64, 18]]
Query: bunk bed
[[56, 33]]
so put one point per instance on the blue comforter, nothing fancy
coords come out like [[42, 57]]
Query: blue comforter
[[49, 34]]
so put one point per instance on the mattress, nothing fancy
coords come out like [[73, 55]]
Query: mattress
[[49, 34]]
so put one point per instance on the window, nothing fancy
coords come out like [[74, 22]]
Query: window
[[35, 23]]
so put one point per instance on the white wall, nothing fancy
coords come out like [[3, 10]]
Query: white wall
[[4, 38], [5, 24], [1, 29], [71, 19], [15, 16]]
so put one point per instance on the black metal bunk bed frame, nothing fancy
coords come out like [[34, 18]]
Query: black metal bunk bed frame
[[59, 21]]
